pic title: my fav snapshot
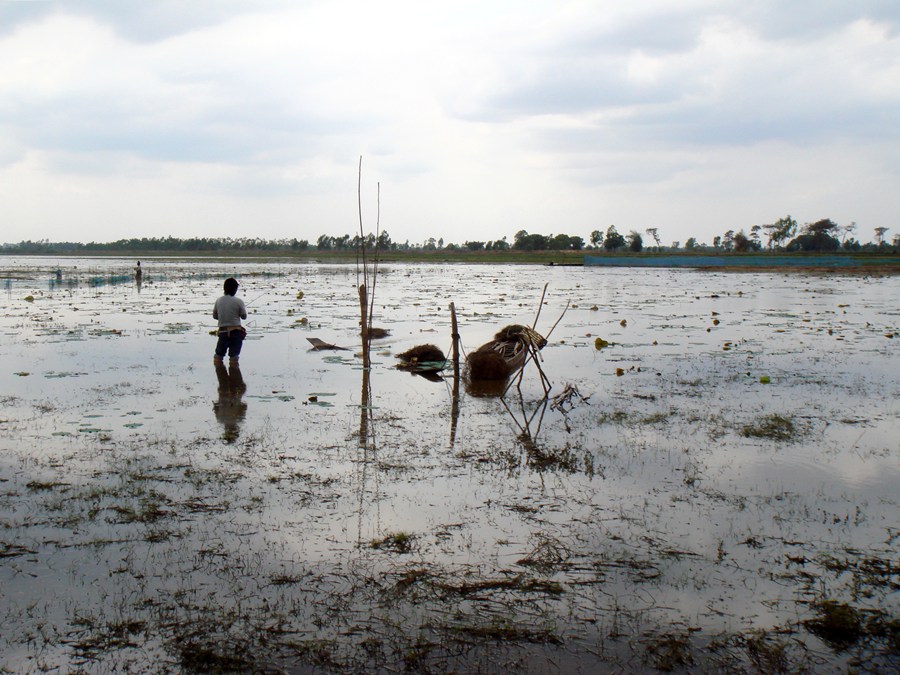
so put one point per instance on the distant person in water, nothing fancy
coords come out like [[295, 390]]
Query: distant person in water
[[138, 272], [229, 311]]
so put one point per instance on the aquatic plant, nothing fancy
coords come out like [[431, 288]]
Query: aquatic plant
[[774, 426], [837, 623]]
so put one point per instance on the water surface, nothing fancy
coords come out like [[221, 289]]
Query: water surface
[[154, 509]]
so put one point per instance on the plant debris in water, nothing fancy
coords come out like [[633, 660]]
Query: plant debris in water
[[774, 426]]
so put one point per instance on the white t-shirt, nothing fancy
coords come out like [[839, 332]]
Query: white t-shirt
[[229, 310]]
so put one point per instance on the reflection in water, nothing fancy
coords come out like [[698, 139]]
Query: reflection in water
[[525, 421], [454, 406], [230, 409], [652, 516], [368, 453], [58, 282], [486, 388]]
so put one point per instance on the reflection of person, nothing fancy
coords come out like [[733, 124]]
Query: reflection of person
[[229, 408], [229, 311]]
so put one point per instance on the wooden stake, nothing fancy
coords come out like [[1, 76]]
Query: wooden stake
[[455, 336], [364, 324]]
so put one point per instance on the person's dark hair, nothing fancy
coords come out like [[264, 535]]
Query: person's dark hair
[[231, 286]]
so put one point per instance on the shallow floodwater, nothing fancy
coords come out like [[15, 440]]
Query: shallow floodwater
[[694, 495]]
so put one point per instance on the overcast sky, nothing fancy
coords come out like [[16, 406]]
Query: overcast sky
[[233, 118]]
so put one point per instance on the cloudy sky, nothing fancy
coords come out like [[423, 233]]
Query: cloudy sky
[[234, 118]]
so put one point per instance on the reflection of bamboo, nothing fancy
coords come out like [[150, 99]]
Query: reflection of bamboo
[[531, 355], [366, 444], [454, 409], [455, 336], [364, 410], [526, 436]]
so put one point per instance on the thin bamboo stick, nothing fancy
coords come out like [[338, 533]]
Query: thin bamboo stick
[[540, 304]]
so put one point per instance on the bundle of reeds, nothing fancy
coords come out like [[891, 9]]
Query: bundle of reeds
[[505, 354], [422, 354], [425, 360]]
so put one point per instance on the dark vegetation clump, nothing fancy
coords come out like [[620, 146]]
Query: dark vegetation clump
[[422, 353], [775, 427], [668, 652], [505, 354], [837, 624], [487, 364], [768, 655], [424, 360], [206, 659], [398, 542]]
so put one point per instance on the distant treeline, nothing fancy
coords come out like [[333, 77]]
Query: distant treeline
[[345, 243], [785, 234], [157, 244]]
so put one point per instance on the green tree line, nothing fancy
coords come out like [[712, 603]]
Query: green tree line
[[785, 234]]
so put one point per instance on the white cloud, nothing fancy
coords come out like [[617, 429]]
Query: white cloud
[[478, 119]]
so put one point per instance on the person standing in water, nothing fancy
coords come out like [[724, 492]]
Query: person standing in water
[[229, 311], [138, 272]]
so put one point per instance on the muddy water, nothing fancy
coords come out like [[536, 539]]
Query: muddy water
[[723, 467]]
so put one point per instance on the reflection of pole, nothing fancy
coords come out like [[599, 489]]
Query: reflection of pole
[[455, 336], [454, 410], [364, 324], [367, 449], [364, 411]]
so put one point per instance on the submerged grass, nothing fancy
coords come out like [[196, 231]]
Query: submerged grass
[[398, 542], [504, 631], [767, 653], [668, 652], [837, 623], [774, 427]]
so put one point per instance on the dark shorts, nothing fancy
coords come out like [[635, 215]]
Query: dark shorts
[[230, 341]]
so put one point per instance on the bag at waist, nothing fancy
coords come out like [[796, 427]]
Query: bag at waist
[[228, 330]]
